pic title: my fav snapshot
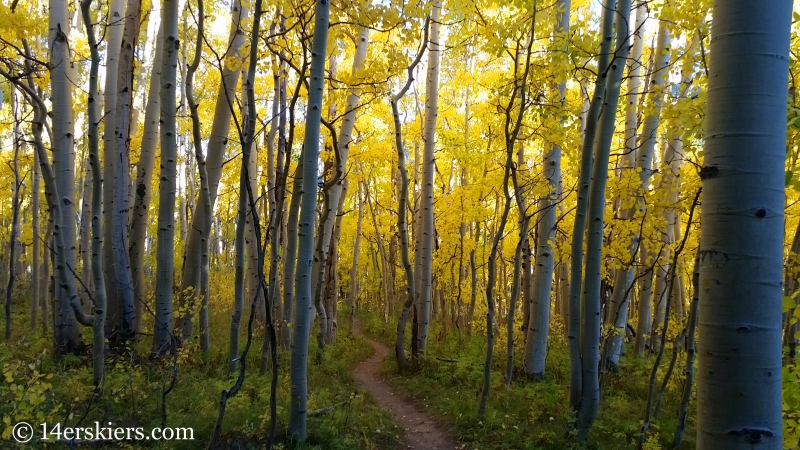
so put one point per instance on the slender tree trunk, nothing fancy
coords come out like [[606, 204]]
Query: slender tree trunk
[[115, 27], [490, 285], [121, 170], [278, 214], [290, 258], [100, 299], [473, 296], [536, 350], [333, 188], [428, 169], [302, 324], [251, 245], [150, 64], [205, 204], [218, 137], [574, 330], [15, 187], [402, 209], [48, 300], [36, 271], [67, 337], [239, 294], [644, 326], [739, 335], [331, 291], [683, 410], [590, 335], [140, 216], [85, 231], [163, 339], [353, 294]]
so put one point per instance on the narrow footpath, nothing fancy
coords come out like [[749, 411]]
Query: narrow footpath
[[421, 431]]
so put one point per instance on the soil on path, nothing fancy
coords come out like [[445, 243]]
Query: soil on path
[[421, 432]]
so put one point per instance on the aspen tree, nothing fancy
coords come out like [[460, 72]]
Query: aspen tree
[[428, 169], [333, 188], [617, 313], [163, 338], [536, 345], [353, 294], [115, 27], [402, 206], [140, 213], [302, 327], [590, 334], [65, 329], [121, 175], [574, 332], [739, 333], [100, 298], [218, 137]]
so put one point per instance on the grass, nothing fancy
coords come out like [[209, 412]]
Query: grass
[[39, 388], [530, 414]]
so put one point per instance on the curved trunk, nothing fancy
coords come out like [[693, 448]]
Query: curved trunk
[[121, 169], [574, 335], [205, 204], [85, 231], [333, 188], [402, 209], [617, 312], [218, 138], [590, 334], [15, 187], [251, 244], [96, 198]]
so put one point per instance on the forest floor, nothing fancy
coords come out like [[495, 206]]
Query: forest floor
[[420, 430], [527, 415]]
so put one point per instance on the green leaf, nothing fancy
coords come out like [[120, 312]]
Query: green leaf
[[788, 303]]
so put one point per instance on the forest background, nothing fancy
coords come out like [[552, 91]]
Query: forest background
[[198, 188]]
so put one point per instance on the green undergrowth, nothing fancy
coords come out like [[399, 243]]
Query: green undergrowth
[[38, 388], [530, 414]]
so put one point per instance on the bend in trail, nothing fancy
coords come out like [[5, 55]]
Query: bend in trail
[[421, 431]]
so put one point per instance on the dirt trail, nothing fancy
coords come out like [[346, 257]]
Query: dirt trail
[[421, 432]]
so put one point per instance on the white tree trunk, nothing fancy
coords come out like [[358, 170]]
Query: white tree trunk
[[536, 350], [144, 178], [334, 190], [115, 27], [163, 338], [741, 262], [589, 125], [302, 326], [428, 170], [65, 329], [218, 137], [590, 334]]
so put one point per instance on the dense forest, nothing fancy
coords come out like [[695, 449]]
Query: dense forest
[[378, 224]]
